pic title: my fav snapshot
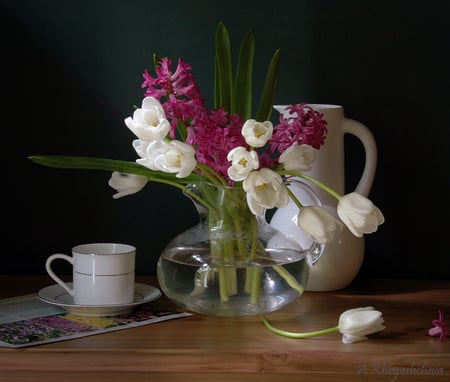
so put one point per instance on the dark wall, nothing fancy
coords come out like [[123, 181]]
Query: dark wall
[[72, 72]]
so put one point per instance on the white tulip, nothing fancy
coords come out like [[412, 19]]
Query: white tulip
[[354, 325], [264, 190], [256, 133], [178, 158], [126, 184], [317, 223], [357, 324], [242, 162], [149, 151], [149, 123], [298, 157], [359, 214]]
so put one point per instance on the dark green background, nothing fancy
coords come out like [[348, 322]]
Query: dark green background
[[72, 71]]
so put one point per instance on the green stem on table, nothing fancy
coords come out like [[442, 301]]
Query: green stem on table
[[285, 333]]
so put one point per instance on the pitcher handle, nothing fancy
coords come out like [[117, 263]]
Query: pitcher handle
[[359, 130]]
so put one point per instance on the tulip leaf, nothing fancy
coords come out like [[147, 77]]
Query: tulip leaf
[[243, 80], [156, 60], [267, 97], [91, 163], [223, 86]]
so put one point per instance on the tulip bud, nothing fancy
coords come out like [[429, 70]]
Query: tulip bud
[[357, 324], [126, 184]]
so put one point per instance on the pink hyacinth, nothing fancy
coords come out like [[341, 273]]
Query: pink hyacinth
[[214, 136], [303, 126], [182, 100], [440, 327], [214, 133]]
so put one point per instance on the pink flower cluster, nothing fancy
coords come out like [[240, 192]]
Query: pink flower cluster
[[214, 133], [440, 328], [304, 126], [176, 91]]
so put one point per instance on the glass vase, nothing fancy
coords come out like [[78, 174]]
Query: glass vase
[[231, 263]]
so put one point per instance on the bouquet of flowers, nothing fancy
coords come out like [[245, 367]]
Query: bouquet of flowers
[[182, 143]]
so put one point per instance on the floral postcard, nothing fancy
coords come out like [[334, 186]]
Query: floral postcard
[[28, 321]]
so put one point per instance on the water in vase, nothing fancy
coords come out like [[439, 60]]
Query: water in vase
[[189, 277]]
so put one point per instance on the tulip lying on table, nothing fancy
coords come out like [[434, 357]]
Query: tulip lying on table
[[354, 324]]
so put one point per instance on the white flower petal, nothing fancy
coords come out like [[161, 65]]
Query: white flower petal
[[359, 214], [265, 190], [149, 123], [298, 157], [242, 163], [349, 339], [256, 133], [126, 184], [357, 324], [178, 158], [254, 206], [317, 223], [148, 151]]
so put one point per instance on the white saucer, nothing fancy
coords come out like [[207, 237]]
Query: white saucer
[[56, 295]]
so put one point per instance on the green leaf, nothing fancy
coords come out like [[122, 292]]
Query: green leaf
[[91, 163], [217, 91], [268, 95], [224, 70], [156, 60], [243, 81]]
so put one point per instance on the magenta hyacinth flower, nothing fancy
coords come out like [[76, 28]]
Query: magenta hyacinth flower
[[440, 327]]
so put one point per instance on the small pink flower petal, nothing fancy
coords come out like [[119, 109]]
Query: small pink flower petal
[[440, 327]]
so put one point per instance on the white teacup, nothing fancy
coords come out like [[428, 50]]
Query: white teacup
[[103, 273]]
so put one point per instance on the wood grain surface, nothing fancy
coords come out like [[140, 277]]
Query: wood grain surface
[[201, 348]]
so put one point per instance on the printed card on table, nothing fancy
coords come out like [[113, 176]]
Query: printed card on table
[[27, 321]]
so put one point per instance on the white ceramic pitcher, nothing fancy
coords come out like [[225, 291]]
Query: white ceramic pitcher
[[341, 259]]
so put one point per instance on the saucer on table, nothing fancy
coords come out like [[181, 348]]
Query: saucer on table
[[58, 296]]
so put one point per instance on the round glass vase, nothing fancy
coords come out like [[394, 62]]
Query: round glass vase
[[231, 263]]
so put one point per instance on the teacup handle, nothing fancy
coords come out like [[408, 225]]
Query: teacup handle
[[53, 275], [360, 131]]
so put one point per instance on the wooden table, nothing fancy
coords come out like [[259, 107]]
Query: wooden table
[[201, 348]]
